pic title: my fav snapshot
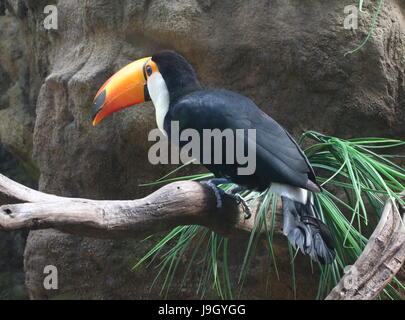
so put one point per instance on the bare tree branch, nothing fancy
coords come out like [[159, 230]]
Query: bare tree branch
[[191, 203], [379, 262], [179, 203]]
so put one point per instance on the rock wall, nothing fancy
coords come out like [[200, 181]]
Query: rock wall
[[12, 244], [286, 56], [18, 93]]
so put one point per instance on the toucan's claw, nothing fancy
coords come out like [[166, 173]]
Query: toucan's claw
[[213, 184], [245, 206]]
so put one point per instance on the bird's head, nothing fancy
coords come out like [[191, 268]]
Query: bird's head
[[160, 78]]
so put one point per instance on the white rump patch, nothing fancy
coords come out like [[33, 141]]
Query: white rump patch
[[160, 97], [290, 192]]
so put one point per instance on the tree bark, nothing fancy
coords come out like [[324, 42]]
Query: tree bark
[[178, 203], [192, 203], [380, 260]]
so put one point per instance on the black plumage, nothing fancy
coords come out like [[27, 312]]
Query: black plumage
[[278, 157]]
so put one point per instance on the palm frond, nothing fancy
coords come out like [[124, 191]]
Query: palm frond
[[356, 181]]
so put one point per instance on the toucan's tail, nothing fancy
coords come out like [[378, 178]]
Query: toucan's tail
[[305, 231]]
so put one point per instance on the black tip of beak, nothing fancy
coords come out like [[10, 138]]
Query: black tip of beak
[[98, 103]]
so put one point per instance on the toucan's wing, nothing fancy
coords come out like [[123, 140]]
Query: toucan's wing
[[277, 154]]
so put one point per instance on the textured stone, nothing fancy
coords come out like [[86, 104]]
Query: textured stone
[[12, 244], [286, 56]]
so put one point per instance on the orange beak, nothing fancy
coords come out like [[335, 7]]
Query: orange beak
[[125, 88]]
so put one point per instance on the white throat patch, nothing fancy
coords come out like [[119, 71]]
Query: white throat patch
[[159, 95]]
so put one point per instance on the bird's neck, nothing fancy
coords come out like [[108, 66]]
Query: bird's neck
[[181, 82], [164, 93], [183, 87]]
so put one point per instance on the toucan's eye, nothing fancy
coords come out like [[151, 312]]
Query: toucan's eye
[[148, 70]]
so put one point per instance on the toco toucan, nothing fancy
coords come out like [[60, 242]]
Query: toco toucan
[[170, 82]]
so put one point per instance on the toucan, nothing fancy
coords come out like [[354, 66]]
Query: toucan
[[171, 83]]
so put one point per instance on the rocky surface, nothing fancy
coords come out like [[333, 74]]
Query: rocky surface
[[286, 56], [12, 244], [19, 87], [20, 80]]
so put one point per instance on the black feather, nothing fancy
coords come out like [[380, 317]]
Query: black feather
[[306, 232], [179, 75], [278, 157]]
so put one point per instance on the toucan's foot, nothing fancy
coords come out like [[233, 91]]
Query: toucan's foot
[[213, 184], [245, 206], [239, 200]]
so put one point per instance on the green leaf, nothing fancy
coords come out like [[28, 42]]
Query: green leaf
[[356, 176]]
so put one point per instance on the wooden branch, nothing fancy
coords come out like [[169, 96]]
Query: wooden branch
[[379, 262], [13, 192], [179, 203], [191, 203]]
